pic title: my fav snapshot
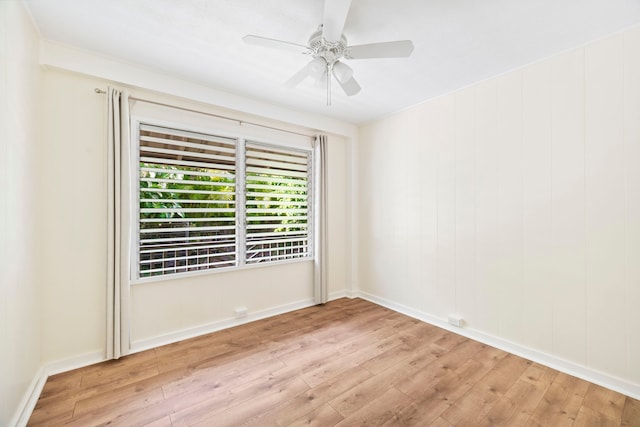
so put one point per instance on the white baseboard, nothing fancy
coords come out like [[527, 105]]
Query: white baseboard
[[29, 400], [583, 372], [31, 396], [146, 344], [344, 293]]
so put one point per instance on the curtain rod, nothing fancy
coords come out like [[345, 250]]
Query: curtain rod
[[240, 122]]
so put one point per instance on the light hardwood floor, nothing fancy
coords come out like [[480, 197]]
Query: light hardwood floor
[[349, 362]]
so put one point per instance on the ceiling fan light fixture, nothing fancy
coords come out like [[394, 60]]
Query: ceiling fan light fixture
[[317, 67], [342, 72]]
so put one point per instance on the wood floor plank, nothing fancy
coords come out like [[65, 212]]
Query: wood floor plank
[[388, 358], [515, 407], [119, 392], [432, 400], [420, 413], [606, 402], [51, 416], [162, 422], [489, 356], [195, 408], [348, 362], [297, 408], [58, 385], [241, 413], [157, 412], [505, 412], [431, 374], [441, 422], [631, 413], [124, 372], [423, 332], [477, 402], [561, 402], [353, 399], [588, 417], [325, 415], [106, 415], [539, 376], [221, 377], [327, 368], [379, 410]]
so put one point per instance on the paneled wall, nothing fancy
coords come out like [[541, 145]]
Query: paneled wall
[[515, 203]]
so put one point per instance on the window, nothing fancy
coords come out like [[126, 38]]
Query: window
[[209, 202], [277, 208]]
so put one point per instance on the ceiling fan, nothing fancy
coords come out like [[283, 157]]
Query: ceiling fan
[[328, 48]]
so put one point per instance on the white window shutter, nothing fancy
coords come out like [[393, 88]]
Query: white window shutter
[[277, 203]]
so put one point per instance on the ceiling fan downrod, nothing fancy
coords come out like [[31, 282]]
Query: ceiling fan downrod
[[331, 53], [329, 70]]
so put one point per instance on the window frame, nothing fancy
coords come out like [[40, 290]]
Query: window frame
[[240, 195]]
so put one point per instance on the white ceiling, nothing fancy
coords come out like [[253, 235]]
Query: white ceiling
[[457, 42]]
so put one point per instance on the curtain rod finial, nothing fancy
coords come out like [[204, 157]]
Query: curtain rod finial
[[97, 90]]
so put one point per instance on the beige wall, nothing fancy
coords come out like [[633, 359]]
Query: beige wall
[[20, 79], [339, 220], [74, 240], [73, 191], [515, 203]]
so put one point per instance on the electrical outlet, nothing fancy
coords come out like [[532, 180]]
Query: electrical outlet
[[456, 320], [241, 312]]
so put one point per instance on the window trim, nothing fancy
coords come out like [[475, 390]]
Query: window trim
[[242, 138]]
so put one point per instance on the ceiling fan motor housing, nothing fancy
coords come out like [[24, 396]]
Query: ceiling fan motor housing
[[329, 51]]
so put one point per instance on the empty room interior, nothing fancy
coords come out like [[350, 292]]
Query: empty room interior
[[321, 212]]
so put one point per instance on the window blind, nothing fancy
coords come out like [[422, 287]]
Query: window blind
[[187, 196], [277, 200]]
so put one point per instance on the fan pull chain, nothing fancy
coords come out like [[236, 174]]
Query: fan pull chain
[[329, 69]]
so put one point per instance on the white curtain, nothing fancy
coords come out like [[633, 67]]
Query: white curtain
[[118, 224], [321, 220]]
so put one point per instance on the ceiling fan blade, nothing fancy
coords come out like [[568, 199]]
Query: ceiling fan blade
[[314, 68], [335, 15], [396, 49], [298, 77], [274, 43], [350, 87]]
